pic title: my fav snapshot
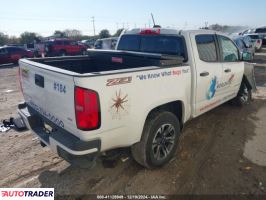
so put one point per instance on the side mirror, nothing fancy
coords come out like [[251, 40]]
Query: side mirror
[[246, 56]]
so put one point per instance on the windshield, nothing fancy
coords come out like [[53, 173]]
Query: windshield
[[162, 44]]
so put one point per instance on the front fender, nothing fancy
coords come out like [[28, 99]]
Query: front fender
[[250, 75]]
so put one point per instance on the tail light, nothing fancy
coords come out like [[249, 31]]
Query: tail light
[[150, 32], [258, 41], [87, 109]]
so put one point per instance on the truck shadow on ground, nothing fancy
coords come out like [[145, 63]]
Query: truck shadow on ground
[[210, 145]]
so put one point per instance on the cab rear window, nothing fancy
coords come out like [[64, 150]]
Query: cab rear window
[[162, 44]]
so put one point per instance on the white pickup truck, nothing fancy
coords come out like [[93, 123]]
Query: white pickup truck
[[138, 96]]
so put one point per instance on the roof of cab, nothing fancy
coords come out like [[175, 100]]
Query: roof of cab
[[167, 31]]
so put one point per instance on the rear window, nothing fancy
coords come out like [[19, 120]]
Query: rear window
[[260, 30], [254, 36], [162, 44]]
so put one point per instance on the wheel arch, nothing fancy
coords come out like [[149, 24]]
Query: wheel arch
[[246, 82], [175, 107]]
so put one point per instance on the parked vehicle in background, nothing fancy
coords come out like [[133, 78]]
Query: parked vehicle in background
[[88, 43], [255, 38], [244, 49], [38, 49], [262, 33], [248, 41], [106, 43], [139, 96], [15, 45], [248, 31], [13, 54], [63, 47]]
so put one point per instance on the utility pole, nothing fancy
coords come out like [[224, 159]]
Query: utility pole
[[206, 25], [93, 22]]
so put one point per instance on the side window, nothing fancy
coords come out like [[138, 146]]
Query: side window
[[59, 42], [3, 51], [10, 50], [228, 49], [207, 48]]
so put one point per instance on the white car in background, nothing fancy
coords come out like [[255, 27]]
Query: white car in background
[[257, 41], [262, 33]]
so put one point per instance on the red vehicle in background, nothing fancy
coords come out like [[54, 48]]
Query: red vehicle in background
[[13, 54], [63, 47]]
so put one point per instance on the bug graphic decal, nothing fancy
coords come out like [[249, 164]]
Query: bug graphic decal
[[119, 105]]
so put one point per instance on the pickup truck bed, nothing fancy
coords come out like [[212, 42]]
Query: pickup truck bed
[[101, 61]]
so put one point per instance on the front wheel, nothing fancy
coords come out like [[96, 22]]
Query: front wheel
[[159, 140], [244, 95]]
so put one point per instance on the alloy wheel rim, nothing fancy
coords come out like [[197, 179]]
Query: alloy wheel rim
[[245, 95], [163, 141]]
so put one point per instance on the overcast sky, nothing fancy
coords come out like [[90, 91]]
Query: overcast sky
[[43, 17]]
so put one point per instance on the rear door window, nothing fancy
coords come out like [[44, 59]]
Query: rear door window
[[207, 48]]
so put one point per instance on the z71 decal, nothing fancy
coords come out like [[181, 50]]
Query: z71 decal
[[119, 81]]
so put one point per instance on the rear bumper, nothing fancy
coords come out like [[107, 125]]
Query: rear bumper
[[65, 144]]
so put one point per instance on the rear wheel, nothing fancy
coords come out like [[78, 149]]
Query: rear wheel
[[159, 140]]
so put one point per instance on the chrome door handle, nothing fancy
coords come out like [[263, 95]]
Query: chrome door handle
[[204, 74], [227, 70]]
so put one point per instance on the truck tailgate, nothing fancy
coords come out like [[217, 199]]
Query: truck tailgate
[[50, 93]]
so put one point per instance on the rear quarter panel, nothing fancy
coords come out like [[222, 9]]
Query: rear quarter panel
[[127, 98]]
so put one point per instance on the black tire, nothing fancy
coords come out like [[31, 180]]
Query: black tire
[[244, 95], [157, 127]]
